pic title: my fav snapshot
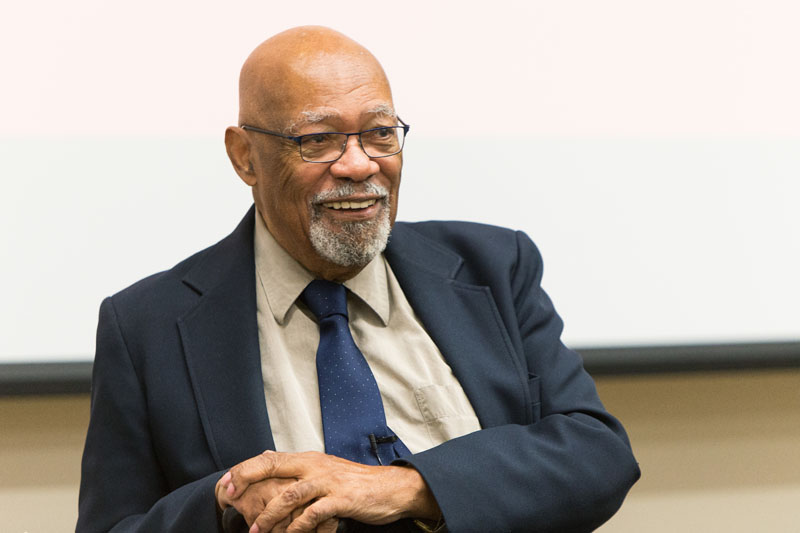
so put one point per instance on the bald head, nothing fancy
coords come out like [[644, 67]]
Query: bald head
[[285, 79], [331, 216]]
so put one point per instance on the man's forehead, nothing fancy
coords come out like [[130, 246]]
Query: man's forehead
[[310, 75], [315, 115]]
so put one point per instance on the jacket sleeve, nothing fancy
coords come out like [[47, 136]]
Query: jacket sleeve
[[567, 471], [123, 487]]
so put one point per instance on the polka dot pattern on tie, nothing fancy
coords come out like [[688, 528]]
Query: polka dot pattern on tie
[[353, 419]]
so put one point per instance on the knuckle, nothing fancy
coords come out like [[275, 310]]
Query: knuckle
[[315, 514], [310, 520], [293, 494], [320, 511], [267, 460], [315, 455], [264, 520]]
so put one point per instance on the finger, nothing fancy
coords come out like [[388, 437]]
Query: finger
[[294, 497], [220, 491], [319, 516], [297, 512], [281, 526], [254, 500], [246, 473], [271, 464], [251, 504], [251, 471]]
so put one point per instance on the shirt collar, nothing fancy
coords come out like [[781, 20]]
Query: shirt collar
[[283, 279], [372, 286]]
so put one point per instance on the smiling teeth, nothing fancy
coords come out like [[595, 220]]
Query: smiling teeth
[[350, 205]]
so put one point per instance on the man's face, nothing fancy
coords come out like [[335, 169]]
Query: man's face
[[331, 217]]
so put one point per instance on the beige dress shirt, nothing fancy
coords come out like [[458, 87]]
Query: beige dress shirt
[[424, 402]]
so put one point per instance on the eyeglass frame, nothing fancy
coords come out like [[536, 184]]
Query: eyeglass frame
[[299, 139]]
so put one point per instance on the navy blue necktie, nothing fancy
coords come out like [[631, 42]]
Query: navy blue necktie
[[353, 420]]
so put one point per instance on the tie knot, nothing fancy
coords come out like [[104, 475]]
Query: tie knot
[[325, 298]]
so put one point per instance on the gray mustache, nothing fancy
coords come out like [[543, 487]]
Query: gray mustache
[[349, 189]]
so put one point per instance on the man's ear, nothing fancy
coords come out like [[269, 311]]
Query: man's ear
[[239, 149]]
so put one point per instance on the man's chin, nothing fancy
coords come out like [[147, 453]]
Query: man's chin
[[350, 243]]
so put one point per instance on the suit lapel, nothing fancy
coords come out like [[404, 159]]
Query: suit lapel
[[220, 338], [220, 342], [463, 321]]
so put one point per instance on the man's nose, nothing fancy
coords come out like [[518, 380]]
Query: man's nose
[[354, 164]]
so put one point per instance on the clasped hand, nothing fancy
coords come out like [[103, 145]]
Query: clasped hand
[[310, 491]]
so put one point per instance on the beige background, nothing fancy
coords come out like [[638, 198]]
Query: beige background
[[720, 452]]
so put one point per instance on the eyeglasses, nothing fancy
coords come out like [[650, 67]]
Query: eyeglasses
[[326, 147]]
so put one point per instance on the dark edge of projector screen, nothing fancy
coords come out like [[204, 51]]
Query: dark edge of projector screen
[[64, 378]]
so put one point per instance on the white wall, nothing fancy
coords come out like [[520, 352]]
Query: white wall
[[651, 149]]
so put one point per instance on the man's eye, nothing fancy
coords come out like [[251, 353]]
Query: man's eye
[[382, 134], [320, 138]]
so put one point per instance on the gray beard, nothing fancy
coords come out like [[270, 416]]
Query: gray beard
[[349, 244]]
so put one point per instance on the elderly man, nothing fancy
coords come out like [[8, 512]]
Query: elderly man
[[410, 386]]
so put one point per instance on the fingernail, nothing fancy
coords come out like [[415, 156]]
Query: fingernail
[[254, 529], [230, 490], [226, 478]]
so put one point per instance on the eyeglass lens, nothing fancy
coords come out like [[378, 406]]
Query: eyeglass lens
[[380, 142]]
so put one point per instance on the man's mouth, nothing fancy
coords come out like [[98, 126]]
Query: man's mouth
[[350, 204]]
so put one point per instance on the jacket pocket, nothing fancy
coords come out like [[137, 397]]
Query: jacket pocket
[[535, 388]]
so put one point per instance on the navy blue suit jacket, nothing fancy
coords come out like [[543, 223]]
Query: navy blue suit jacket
[[177, 393]]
